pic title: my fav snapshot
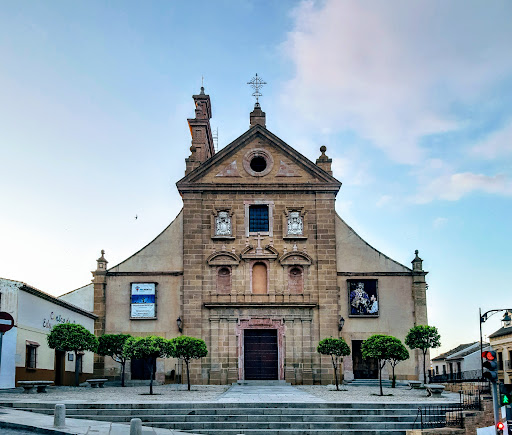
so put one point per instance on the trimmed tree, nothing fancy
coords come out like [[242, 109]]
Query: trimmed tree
[[337, 348], [112, 345], [147, 349], [423, 337], [72, 337], [397, 353], [377, 346], [187, 348]]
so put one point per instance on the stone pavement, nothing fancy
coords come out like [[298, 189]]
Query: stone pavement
[[283, 393]]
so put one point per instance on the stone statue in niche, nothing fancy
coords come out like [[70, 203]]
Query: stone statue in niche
[[295, 225], [223, 224]]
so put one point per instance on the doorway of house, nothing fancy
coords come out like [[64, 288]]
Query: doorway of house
[[363, 368], [260, 354], [60, 361]]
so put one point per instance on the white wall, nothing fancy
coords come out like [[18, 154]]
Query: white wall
[[8, 359], [82, 297], [36, 317]]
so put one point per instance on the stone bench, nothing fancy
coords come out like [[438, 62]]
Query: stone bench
[[434, 390], [95, 383], [32, 387], [415, 385]]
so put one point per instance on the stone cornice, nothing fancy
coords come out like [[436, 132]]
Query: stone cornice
[[411, 273], [177, 273], [259, 187], [260, 305]]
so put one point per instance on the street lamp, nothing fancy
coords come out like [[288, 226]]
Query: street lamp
[[341, 323], [483, 318], [179, 322]]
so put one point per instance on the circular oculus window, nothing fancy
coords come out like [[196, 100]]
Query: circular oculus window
[[258, 162]]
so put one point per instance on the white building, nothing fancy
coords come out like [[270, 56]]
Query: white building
[[25, 354], [460, 363]]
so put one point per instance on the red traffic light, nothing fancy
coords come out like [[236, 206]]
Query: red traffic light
[[489, 355], [500, 426]]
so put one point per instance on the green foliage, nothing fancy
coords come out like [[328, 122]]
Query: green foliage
[[146, 347], [112, 345], [397, 351], [187, 348], [71, 337], [376, 347], [333, 346], [423, 337], [336, 348]]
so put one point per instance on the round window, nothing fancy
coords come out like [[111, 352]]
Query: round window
[[258, 164]]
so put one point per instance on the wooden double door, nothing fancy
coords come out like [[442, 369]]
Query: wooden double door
[[261, 354], [363, 368]]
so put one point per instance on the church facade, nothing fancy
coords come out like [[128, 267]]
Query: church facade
[[260, 266]]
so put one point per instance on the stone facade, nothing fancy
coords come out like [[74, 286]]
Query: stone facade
[[259, 253]]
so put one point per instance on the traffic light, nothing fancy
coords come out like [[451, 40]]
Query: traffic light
[[490, 365], [505, 394]]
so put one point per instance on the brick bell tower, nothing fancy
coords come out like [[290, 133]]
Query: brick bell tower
[[202, 140]]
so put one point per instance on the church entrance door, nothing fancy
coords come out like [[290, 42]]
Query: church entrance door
[[363, 368], [141, 370], [260, 354]]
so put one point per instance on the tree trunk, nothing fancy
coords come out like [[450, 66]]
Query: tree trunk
[[151, 377], [424, 372], [334, 364], [77, 369], [123, 364], [380, 377], [393, 383], [188, 375]]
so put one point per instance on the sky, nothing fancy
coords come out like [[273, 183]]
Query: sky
[[412, 99]]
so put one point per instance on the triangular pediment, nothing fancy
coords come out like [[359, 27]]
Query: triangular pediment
[[258, 159]]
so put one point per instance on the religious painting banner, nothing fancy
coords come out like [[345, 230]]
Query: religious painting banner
[[363, 297], [143, 300]]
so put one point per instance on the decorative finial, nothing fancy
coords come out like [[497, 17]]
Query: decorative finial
[[256, 83], [202, 86], [103, 252]]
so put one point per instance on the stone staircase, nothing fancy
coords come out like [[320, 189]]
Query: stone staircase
[[248, 418]]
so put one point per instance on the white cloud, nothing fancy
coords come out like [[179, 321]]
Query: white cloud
[[439, 222], [497, 144], [392, 73], [455, 186], [384, 200]]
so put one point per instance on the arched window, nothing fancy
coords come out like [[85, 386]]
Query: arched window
[[259, 278], [224, 280], [295, 280]]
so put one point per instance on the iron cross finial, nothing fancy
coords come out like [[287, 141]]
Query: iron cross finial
[[256, 83]]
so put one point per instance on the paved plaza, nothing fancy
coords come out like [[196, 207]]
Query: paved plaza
[[265, 394]]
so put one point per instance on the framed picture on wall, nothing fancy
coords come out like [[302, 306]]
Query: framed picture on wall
[[363, 298]]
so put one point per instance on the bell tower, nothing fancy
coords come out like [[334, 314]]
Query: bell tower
[[202, 140]]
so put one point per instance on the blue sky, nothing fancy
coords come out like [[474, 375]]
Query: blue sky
[[412, 100]]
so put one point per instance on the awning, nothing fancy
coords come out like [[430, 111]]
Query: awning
[[32, 343]]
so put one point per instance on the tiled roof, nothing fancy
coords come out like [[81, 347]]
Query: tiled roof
[[505, 330], [452, 351]]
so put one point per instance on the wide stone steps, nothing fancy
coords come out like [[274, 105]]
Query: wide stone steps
[[248, 418]]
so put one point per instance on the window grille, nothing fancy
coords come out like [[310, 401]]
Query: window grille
[[258, 218], [31, 357]]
